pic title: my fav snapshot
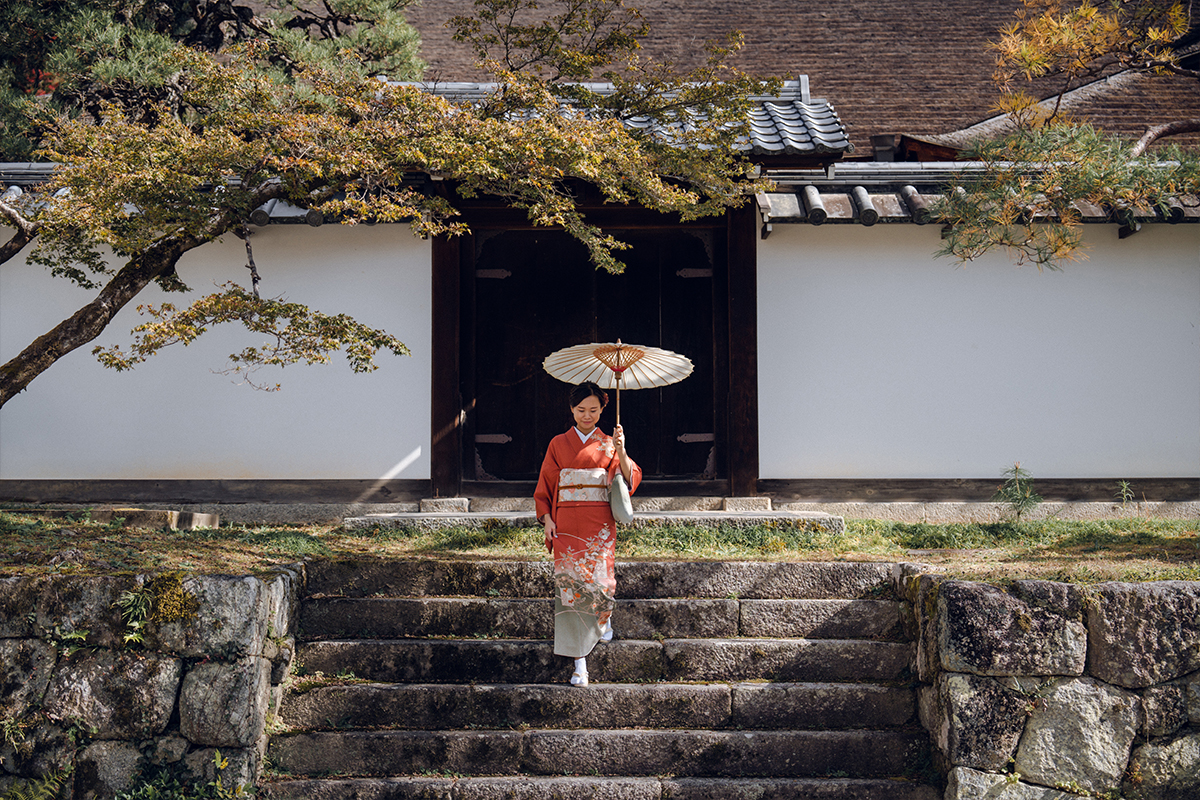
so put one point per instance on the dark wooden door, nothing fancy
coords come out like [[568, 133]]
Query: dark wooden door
[[535, 292]]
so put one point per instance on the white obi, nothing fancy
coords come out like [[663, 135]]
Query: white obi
[[583, 485]]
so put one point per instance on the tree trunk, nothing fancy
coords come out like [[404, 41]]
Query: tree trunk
[[88, 322]]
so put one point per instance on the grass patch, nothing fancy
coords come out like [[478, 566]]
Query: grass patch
[[34, 545], [1136, 549], [731, 540], [295, 543]]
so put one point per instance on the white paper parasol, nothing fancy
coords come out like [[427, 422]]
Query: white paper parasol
[[613, 365]]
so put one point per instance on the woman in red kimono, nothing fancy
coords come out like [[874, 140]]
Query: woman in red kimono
[[572, 503]]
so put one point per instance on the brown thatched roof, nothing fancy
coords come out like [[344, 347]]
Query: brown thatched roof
[[889, 67]]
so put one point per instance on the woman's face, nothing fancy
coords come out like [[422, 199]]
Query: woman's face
[[587, 413]]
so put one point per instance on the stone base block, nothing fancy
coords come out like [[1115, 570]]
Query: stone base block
[[493, 505], [746, 504], [649, 505], [442, 505]]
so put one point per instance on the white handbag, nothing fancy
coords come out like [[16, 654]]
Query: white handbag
[[618, 498]]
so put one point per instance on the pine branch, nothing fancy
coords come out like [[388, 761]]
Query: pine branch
[[1155, 132], [1170, 66]]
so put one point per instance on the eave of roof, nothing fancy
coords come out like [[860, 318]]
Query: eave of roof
[[790, 123], [25, 173], [867, 193], [863, 193]]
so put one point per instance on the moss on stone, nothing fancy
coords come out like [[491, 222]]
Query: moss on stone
[[170, 601]]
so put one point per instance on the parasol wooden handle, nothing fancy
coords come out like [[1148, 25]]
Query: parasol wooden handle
[[618, 398]]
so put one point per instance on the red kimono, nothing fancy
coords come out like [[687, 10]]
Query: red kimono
[[573, 490]]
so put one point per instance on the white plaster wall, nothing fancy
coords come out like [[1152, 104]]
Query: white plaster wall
[[878, 360], [173, 417]]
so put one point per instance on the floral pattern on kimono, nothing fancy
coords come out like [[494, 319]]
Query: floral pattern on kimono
[[583, 579]]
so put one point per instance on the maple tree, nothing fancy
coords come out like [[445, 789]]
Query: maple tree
[[152, 180], [1025, 199]]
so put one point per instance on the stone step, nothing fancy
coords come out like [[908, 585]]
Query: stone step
[[593, 788], [636, 580], [764, 706], [389, 618], [682, 753], [626, 661]]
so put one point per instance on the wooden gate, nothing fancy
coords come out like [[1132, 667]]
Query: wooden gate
[[534, 292]]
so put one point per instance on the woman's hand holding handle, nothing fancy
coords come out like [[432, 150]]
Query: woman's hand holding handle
[[622, 457]]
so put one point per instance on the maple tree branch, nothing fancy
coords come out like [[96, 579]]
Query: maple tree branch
[[81, 327], [90, 321], [14, 245], [25, 231]]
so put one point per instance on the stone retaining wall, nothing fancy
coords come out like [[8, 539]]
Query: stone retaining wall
[[1029, 692], [73, 694], [1043, 691]]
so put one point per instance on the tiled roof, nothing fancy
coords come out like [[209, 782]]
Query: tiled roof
[[793, 123], [789, 123], [871, 193], [919, 67]]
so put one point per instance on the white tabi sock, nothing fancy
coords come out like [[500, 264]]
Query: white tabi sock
[[580, 678]]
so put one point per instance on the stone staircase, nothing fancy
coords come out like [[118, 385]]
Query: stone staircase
[[773, 681]]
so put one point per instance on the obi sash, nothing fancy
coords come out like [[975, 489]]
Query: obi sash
[[583, 485]]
